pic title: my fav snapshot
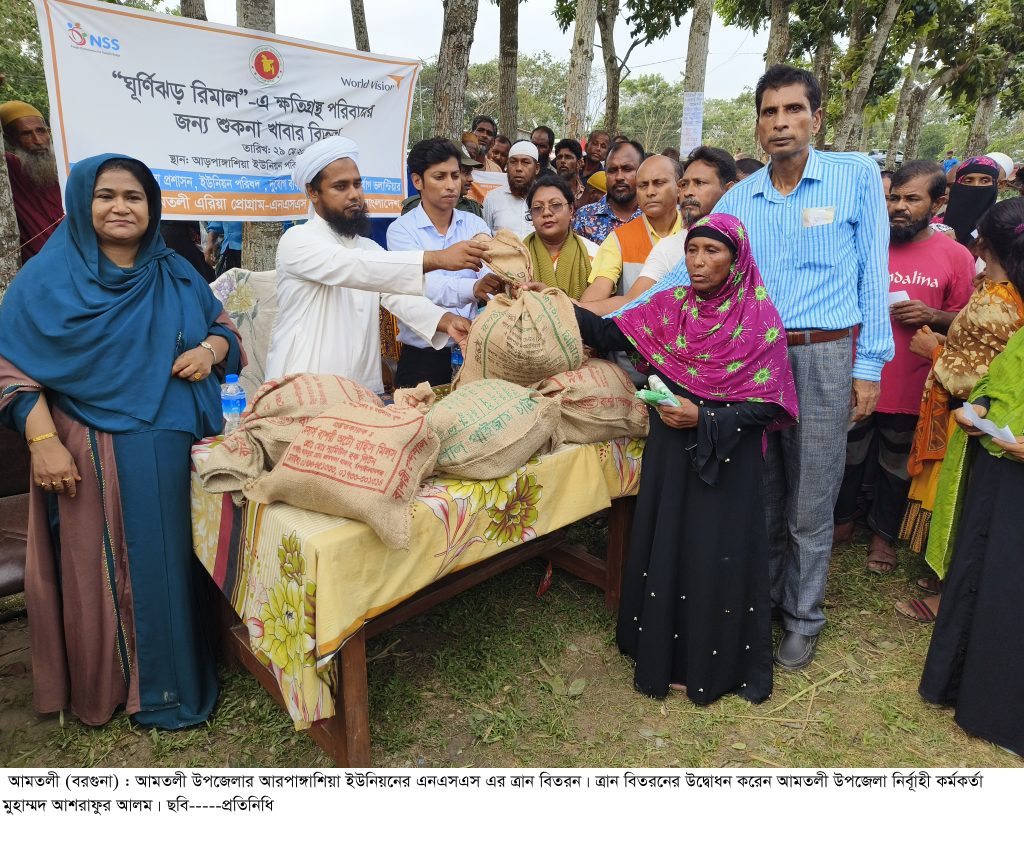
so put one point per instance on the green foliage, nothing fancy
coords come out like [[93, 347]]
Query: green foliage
[[21, 50]]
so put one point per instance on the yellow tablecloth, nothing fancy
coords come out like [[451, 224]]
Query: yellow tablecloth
[[303, 582]]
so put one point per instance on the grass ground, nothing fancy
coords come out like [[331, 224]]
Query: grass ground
[[499, 677]]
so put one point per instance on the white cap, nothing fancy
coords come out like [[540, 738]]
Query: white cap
[[314, 158], [1003, 161], [524, 147]]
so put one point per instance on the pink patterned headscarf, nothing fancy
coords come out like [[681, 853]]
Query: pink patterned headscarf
[[727, 344]]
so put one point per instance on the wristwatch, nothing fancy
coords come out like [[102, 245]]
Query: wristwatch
[[210, 349]]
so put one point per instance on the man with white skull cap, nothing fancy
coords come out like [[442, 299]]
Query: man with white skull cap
[[332, 280], [505, 208]]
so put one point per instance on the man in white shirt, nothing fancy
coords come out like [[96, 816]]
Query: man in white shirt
[[436, 224], [330, 278], [505, 208]]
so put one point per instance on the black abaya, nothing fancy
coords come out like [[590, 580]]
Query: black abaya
[[976, 658], [695, 607]]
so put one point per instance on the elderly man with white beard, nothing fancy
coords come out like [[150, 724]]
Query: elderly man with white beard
[[332, 280], [33, 173]]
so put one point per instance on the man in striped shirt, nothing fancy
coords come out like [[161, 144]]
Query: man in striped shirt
[[819, 232]]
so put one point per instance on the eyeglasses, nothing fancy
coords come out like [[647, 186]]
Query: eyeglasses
[[539, 209]]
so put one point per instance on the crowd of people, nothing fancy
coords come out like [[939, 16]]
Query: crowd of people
[[832, 336]]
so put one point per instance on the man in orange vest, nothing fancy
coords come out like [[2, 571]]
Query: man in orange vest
[[622, 255]]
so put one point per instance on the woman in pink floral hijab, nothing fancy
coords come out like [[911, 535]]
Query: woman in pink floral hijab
[[695, 613]]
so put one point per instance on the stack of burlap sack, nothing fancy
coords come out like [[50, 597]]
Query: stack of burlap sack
[[327, 444]]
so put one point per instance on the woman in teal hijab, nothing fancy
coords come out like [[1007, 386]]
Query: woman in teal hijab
[[111, 350]]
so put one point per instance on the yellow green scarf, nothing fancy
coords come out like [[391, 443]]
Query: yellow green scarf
[[573, 264]]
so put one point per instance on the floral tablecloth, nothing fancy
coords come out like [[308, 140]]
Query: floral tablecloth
[[303, 582]]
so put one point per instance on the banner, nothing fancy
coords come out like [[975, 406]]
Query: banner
[[485, 181], [692, 128], [219, 113]]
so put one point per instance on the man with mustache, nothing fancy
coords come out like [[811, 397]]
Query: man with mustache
[[937, 275], [596, 221], [707, 174], [505, 208], [33, 173], [568, 161], [331, 278]]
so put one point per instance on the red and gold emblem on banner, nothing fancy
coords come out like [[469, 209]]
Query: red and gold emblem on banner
[[265, 64]]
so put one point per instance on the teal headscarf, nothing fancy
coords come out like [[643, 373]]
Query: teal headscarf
[[103, 338]]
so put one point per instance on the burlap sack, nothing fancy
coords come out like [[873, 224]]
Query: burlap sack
[[277, 412], [421, 397], [489, 428], [359, 461], [523, 340], [510, 259], [597, 402]]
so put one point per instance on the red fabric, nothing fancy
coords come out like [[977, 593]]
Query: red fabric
[[939, 272], [39, 210]]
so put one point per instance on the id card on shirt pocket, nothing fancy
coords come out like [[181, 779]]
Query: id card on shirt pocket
[[819, 217]]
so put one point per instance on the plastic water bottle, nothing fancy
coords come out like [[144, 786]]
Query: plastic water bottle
[[457, 360], [232, 400]]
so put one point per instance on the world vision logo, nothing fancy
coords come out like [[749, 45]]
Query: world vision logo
[[265, 65], [92, 41]]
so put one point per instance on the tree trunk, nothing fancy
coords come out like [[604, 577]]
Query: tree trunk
[[259, 239], [580, 59], [256, 15], [822, 70], [977, 141], [193, 9], [778, 34], [903, 105], [359, 26], [508, 60], [697, 47], [612, 68], [858, 95], [915, 114], [453, 67], [10, 239]]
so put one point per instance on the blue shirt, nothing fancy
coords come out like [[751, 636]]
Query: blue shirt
[[452, 290], [823, 249], [949, 164], [231, 230], [597, 221]]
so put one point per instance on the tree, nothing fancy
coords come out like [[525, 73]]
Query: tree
[[651, 111], [697, 46], [903, 105], [580, 59], [259, 238], [193, 9], [453, 66], [508, 61], [359, 26], [612, 66]]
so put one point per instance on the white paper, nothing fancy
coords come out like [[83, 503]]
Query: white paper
[[691, 130], [987, 426], [896, 297]]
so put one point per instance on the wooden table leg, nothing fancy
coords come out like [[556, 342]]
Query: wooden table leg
[[620, 523], [348, 732]]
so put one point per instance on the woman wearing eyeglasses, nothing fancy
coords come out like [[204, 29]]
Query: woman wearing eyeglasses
[[559, 257]]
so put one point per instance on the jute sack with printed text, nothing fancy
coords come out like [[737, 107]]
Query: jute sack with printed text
[[278, 411], [523, 340], [359, 461], [510, 259], [489, 428], [597, 403]]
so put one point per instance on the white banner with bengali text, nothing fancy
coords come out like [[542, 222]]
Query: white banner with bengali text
[[219, 113], [692, 128]]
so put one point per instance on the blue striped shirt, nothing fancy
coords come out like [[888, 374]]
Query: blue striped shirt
[[823, 250]]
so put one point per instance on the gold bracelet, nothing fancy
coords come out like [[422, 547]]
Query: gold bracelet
[[42, 437]]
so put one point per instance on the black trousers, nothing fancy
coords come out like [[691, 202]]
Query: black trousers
[[877, 449], [416, 365]]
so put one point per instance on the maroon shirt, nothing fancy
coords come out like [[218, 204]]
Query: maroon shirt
[[39, 210]]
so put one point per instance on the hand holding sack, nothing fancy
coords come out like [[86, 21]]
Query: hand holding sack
[[356, 460], [510, 259]]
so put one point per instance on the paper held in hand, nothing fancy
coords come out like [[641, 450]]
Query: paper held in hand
[[896, 297], [987, 426]]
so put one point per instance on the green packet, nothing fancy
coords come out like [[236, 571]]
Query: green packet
[[652, 397]]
